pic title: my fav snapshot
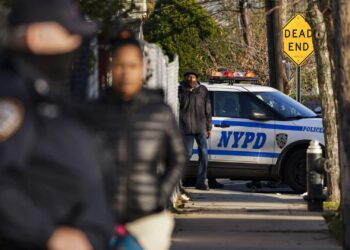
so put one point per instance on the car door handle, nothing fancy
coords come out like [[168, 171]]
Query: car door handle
[[221, 125]]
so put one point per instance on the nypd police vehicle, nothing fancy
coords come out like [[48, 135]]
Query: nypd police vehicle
[[258, 133]]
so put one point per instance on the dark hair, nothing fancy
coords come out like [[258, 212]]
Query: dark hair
[[124, 38], [190, 73]]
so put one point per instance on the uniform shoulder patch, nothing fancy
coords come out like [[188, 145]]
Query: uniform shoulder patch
[[11, 117]]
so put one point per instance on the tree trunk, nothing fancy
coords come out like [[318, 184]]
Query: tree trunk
[[315, 19], [284, 10], [294, 7], [341, 12], [244, 22], [325, 6]]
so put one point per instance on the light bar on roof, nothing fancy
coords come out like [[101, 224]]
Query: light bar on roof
[[233, 77]]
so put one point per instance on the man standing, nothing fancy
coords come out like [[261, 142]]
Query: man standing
[[195, 123]]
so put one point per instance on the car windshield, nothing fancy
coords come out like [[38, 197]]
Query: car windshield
[[286, 106]]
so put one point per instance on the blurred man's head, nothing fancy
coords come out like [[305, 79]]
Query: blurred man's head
[[41, 39], [45, 33], [191, 79], [127, 65]]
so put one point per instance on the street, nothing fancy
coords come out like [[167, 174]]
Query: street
[[236, 218]]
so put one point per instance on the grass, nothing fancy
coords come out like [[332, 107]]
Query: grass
[[334, 220], [331, 206]]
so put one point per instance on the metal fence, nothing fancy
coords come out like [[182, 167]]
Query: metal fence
[[162, 74]]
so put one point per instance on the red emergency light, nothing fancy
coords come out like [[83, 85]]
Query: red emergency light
[[223, 75]]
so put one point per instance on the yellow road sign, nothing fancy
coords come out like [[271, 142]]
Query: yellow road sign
[[297, 39]]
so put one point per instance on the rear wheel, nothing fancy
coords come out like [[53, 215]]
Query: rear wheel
[[295, 171]]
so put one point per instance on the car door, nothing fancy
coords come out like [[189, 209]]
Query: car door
[[242, 132]]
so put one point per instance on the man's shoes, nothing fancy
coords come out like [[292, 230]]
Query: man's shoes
[[202, 186], [213, 183]]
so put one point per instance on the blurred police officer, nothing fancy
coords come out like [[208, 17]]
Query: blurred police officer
[[51, 190]]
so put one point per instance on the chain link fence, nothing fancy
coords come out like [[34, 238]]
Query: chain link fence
[[162, 74]]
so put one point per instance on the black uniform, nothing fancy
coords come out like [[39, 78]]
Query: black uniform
[[148, 151], [50, 171]]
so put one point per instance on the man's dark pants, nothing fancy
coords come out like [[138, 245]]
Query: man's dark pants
[[201, 140]]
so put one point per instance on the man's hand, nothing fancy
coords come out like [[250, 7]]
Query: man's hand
[[208, 134], [67, 238], [50, 38]]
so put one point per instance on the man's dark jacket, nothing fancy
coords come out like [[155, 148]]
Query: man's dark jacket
[[50, 170], [149, 153], [195, 109]]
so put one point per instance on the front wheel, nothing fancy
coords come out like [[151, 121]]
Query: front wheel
[[295, 171]]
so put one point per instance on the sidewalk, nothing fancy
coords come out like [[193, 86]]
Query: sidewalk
[[235, 218]]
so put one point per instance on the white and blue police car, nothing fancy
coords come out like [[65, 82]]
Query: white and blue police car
[[258, 133]]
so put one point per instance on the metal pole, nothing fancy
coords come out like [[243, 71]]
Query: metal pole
[[269, 5], [298, 84], [274, 42]]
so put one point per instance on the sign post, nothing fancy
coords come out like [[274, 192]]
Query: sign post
[[298, 46], [298, 83]]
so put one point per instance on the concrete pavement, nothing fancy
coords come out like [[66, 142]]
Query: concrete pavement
[[235, 218]]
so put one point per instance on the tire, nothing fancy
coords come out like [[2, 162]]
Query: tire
[[295, 171]]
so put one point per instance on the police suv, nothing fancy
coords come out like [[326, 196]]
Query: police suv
[[258, 133]]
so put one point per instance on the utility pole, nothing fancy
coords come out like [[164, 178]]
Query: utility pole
[[274, 42]]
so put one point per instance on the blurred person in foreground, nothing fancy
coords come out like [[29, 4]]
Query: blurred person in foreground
[[51, 179], [149, 152]]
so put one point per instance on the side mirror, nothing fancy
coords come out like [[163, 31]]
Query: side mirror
[[318, 110], [260, 117]]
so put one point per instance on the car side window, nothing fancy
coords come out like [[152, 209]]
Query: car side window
[[226, 104], [250, 105], [236, 105]]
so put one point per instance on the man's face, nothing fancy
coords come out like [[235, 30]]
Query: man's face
[[127, 71], [191, 80]]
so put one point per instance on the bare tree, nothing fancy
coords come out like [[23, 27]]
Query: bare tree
[[244, 20], [325, 6], [341, 12], [284, 11], [327, 96]]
